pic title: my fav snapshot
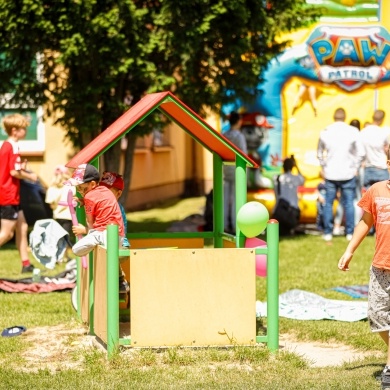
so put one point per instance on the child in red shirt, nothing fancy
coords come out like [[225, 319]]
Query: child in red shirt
[[115, 183], [101, 209], [11, 171]]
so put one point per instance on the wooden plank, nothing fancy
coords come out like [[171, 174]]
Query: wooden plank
[[100, 301], [84, 294], [195, 297], [140, 243]]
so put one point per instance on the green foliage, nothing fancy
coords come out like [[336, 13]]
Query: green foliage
[[90, 53]]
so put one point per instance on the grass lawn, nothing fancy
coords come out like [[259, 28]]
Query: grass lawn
[[306, 263]]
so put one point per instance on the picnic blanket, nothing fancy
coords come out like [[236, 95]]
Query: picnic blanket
[[303, 305], [356, 291], [63, 281]]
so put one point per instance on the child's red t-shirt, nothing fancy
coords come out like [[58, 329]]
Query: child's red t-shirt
[[104, 208], [376, 201], [9, 185]]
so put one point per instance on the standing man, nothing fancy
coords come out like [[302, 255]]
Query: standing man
[[235, 136], [376, 143], [340, 153]]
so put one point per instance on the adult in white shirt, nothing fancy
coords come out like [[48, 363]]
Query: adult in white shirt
[[375, 139], [340, 153]]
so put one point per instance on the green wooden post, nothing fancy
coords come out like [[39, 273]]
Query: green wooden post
[[218, 214], [112, 289], [273, 284], [78, 287], [80, 214], [91, 295], [241, 196]]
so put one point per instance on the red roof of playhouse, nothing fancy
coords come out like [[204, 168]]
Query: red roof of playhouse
[[173, 108]]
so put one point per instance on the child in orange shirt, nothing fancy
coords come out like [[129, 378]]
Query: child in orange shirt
[[376, 212]]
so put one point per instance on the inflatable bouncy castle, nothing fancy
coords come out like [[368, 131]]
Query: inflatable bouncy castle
[[341, 61]]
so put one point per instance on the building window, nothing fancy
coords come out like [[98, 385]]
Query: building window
[[161, 137]]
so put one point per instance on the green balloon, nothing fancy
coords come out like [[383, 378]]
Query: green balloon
[[252, 219]]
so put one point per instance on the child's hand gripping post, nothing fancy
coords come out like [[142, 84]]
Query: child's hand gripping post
[[75, 222]]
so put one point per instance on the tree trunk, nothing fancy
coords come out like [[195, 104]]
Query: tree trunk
[[112, 157]]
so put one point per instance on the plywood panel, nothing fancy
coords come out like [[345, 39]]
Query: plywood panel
[[100, 302], [192, 297], [84, 294], [137, 243], [228, 244]]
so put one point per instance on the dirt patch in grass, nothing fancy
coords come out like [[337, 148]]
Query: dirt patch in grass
[[62, 347], [56, 348], [323, 354]]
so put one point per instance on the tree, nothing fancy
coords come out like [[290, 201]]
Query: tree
[[90, 52]]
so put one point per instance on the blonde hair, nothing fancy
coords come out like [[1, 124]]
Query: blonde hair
[[59, 178], [15, 121]]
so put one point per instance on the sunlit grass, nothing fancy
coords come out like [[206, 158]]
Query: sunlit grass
[[306, 263], [160, 218]]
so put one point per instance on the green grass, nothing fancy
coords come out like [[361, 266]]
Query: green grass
[[306, 263], [160, 218]]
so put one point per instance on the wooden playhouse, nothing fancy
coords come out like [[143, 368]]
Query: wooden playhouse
[[181, 292]]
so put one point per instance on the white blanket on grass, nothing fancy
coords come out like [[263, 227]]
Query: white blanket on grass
[[303, 305]]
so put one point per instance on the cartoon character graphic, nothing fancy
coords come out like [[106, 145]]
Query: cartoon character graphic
[[255, 128]]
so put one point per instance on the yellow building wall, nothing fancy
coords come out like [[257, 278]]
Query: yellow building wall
[[165, 172], [56, 150], [183, 167]]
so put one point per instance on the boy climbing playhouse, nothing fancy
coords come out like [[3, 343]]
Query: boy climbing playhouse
[[342, 61]]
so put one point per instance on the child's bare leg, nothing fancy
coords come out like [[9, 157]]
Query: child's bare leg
[[385, 337], [7, 230], [385, 377], [21, 236]]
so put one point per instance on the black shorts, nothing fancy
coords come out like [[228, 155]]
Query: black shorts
[[9, 212]]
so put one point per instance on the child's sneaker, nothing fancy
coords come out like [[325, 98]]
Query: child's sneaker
[[327, 237], [27, 268], [125, 243], [385, 378], [336, 231]]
